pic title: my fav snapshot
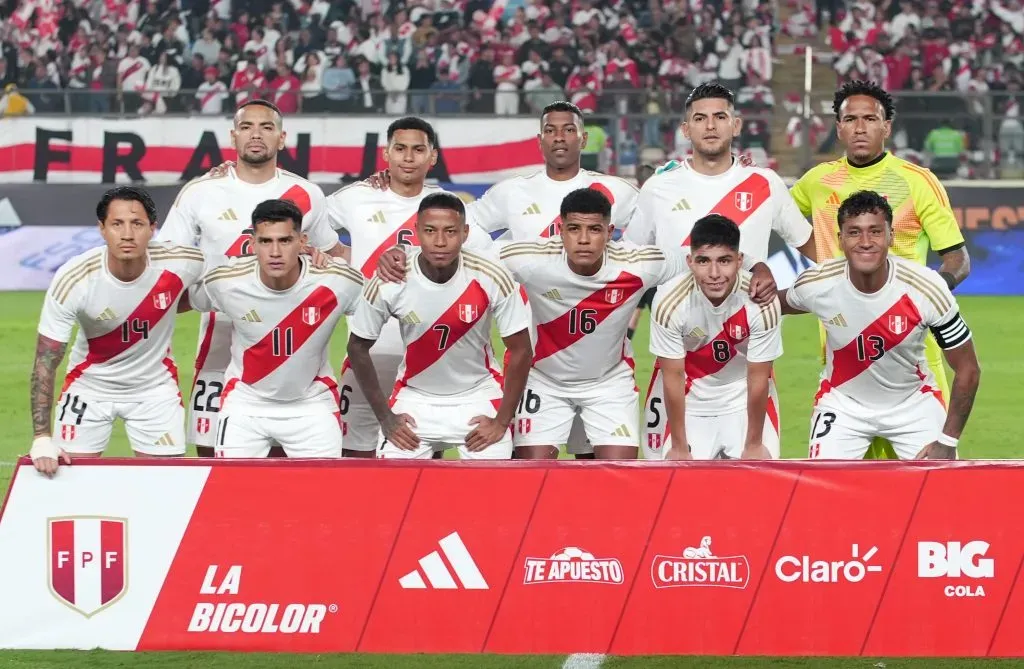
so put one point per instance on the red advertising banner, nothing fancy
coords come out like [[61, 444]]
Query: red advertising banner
[[717, 558]]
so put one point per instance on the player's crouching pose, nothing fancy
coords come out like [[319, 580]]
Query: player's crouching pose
[[123, 296], [877, 309], [583, 289], [279, 387], [449, 390], [715, 347]]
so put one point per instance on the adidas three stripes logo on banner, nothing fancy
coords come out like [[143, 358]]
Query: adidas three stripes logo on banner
[[438, 574]]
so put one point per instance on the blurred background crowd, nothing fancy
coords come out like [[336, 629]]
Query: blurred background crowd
[[955, 65]]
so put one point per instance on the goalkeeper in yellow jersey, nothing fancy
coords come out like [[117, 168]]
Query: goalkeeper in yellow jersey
[[922, 216]]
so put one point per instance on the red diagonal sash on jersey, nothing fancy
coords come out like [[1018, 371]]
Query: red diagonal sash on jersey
[[161, 298], [702, 362], [459, 319], [557, 335], [243, 245], [130, 70], [300, 197], [893, 327], [259, 360], [742, 201], [370, 266], [555, 228]]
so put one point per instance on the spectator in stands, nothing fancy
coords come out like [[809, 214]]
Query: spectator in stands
[[13, 103], [421, 78], [367, 90], [284, 90], [507, 76], [482, 83], [338, 81], [36, 90], [395, 80], [101, 78], [248, 83], [539, 93], [207, 46], [131, 78], [212, 93], [944, 146], [162, 85]]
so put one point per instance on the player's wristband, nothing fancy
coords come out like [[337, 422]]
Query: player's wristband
[[43, 447], [949, 279], [947, 440]]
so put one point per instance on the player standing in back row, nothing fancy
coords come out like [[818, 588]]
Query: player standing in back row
[[449, 391], [123, 296], [715, 347], [583, 289], [877, 308], [279, 387], [213, 213]]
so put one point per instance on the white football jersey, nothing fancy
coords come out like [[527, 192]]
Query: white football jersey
[[715, 342], [445, 328], [529, 206], [581, 321], [754, 198], [123, 345], [279, 339], [875, 343], [215, 214]]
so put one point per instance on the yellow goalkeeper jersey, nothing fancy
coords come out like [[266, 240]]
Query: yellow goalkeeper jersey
[[922, 216]]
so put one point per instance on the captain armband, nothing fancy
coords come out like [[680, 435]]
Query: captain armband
[[953, 333]]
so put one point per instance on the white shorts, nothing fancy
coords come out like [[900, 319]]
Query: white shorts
[[316, 435], [358, 422], [442, 426], [204, 407], [608, 409], [842, 429], [710, 437], [154, 426]]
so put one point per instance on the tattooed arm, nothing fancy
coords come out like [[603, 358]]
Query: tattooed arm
[[956, 265], [966, 378], [49, 354]]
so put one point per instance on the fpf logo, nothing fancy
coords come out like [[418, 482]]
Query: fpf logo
[[88, 561]]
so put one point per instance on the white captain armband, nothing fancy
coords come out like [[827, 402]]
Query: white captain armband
[[953, 333]]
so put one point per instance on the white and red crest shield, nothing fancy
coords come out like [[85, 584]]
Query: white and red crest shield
[[67, 432], [898, 324], [744, 200], [311, 315], [202, 425], [613, 295], [737, 332], [88, 560], [162, 300], [468, 313]]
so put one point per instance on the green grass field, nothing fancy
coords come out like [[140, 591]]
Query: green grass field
[[993, 433]]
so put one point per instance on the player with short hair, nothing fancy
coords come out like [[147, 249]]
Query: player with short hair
[[583, 289], [715, 348], [123, 297], [528, 207], [449, 390], [279, 387], [377, 220], [714, 181], [922, 215], [877, 308], [213, 212]]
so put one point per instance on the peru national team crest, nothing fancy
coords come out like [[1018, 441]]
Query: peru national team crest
[[162, 300], [67, 432], [468, 313], [613, 295], [311, 315], [744, 200], [202, 425], [898, 324], [88, 556], [737, 332]]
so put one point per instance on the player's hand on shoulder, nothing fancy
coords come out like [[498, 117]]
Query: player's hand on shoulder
[[746, 160], [762, 284], [392, 265], [318, 258], [398, 429], [937, 451], [756, 451], [488, 431], [46, 456], [221, 170], [380, 181]]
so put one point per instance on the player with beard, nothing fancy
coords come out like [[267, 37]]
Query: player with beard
[[213, 213], [527, 207], [714, 181]]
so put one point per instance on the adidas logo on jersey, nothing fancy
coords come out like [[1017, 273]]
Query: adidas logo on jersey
[[252, 317], [622, 431], [552, 294], [166, 440], [682, 205], [532, 210], [410, 319], [838, 321], [438, 574], [696, 333], [107, 315], [378, 217], [228, 215]]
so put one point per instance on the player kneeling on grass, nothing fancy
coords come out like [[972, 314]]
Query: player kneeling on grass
[[449, 390], [123, 296], [583, 288], [279, 387], [877, 308], [716, 346]]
